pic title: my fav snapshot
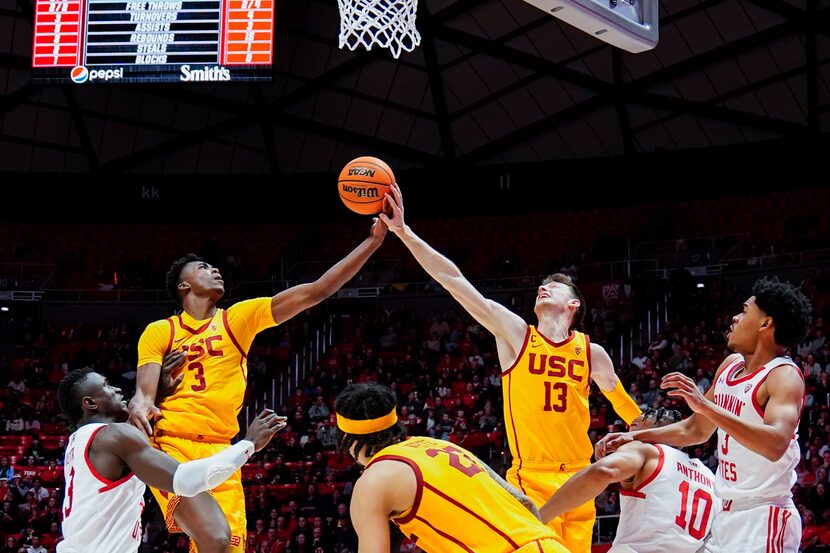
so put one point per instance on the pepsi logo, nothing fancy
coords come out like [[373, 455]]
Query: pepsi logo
[[79, 74]]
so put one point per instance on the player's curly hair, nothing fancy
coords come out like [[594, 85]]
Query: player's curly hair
[[364, 402], [174, 276], [662, 416], [561, 278], [787, 305], [70, 392]]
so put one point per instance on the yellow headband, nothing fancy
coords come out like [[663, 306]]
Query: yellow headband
[[367, 426]]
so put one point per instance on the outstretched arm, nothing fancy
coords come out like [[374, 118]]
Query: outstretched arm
[[588, 483], [159, 470], [602, 372], [770, 438], [691, 431], [298, 298], [499, 320]]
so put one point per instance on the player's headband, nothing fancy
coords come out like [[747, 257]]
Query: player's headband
[[367, 426]]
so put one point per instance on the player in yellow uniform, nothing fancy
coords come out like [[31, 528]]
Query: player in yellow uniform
[[439, 494], [199, 418], [546, 374]]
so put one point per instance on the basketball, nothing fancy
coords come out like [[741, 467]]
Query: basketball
[[362, 184]]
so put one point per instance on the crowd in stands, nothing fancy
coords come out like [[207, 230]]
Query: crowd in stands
[[442, 367], [445, 373]]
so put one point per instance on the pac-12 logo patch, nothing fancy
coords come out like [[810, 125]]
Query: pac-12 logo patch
[[578, 350], [748, 386], [79, 74]]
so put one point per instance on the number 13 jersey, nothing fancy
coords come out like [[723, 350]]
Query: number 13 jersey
[[546, 401]]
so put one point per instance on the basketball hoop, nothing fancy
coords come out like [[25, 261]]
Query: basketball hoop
[[385, 23]]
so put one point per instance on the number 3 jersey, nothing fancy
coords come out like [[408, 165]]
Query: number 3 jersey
[[546, 402], [458, 506], [671, 510], [742, 473], [215, 372], [99, 514]]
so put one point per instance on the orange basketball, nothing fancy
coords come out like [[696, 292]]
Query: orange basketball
[[362, 184]]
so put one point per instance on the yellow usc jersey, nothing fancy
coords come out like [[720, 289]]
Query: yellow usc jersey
[[458, 505], [546, 401], [209, 398]]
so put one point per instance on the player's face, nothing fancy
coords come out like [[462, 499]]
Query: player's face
[[743, 334], [641, 423], [203, 277], [109, 399], [554, 293]]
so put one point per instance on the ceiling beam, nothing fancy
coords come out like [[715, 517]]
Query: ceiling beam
[[735, 93], [80, 128], [436, 85], [607, 95]]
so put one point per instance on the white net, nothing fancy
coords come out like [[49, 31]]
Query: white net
[[385, 23]]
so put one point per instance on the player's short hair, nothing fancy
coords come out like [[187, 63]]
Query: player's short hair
[[174, 276], [364, 402], [787, 305], [562, 278], [661, 416], [70, 392]]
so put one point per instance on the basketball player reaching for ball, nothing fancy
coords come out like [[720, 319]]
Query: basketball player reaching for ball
[[667, 499], [546, 371], [107, 462], [754, 404], [439, 494], [199, 418]]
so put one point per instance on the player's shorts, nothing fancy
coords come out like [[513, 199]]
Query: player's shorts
[[575, 528], [546, 545], [229, 494], [769, 526]]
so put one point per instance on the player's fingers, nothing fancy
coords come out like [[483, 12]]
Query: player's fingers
[[145, 425]]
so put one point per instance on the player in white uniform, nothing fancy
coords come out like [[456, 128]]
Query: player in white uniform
[[755, 405], [666, 497], [107, 462]]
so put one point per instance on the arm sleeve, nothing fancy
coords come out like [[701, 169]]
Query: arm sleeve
[[249, 317], [194, 477], [622, 403], [153, 343]]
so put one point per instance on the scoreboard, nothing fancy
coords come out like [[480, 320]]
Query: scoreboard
[[152, 40]]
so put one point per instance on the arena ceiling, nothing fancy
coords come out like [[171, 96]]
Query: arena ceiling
[[493, 82]]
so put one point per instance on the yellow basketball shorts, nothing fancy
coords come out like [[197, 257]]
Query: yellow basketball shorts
[[229, 494], [575, 528]]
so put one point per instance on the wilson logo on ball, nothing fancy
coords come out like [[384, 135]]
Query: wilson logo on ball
[[363, 184], [360, 192]]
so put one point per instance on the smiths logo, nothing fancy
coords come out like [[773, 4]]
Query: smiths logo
[[578, 350], [361, 172]]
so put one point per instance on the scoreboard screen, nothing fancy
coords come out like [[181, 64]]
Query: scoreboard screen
[[115, 41]]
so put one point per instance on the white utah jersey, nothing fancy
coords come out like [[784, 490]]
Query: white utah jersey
[[742, 473], [672, 510], [99, 514]]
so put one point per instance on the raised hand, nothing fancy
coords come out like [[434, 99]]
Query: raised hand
[[680, 385], [168, 384], [263, 428], [393, 209]]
